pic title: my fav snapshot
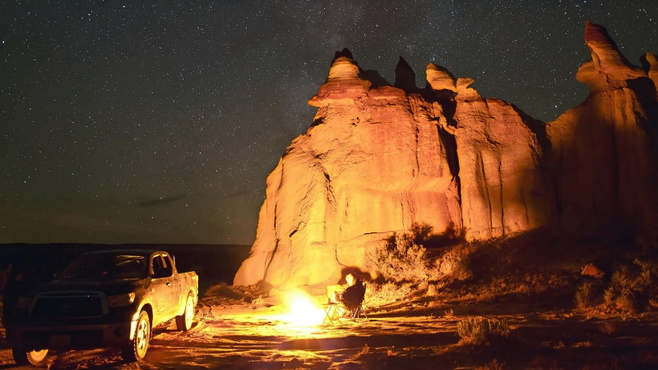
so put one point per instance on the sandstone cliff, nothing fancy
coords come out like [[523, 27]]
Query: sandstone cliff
[[379, 158]]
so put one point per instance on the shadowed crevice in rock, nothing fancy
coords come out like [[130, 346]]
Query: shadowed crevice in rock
[[450, 146], [448, 104], [646, 89]]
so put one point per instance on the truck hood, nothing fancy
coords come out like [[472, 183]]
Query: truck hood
[[109, 287]]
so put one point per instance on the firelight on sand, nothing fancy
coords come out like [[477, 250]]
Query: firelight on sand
[[302, 309]]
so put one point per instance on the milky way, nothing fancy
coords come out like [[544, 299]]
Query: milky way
[[137, 122]]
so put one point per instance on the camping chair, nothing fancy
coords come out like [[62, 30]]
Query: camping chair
[[334, 311], [349, 305]]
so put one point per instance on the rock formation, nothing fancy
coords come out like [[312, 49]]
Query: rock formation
[[604, 151], [379, 158]]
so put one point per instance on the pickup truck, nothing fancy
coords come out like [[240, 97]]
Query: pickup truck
[[103, 299]]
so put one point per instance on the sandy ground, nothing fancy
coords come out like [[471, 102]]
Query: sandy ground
[[230, 335]]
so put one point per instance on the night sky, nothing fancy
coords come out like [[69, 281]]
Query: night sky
[[140, 122]]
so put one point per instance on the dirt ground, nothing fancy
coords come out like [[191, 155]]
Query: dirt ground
[[235, 335], [531, 292]]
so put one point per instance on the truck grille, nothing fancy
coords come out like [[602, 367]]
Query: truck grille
[[65, 305]]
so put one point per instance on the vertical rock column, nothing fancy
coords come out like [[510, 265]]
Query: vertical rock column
[[503, 187]]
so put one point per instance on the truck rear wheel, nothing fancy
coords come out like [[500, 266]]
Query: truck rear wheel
[[184, 321], [35, 357], [140, 342]]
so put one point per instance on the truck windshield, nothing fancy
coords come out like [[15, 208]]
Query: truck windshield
[[106, 266]]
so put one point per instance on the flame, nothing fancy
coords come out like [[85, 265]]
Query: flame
[[303, 310]]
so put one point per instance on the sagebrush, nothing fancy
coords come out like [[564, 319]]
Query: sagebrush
[[405, 258], [400, 259], [632, 286], [479, 329]]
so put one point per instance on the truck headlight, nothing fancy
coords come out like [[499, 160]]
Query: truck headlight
[[24, 303], [121, 299]]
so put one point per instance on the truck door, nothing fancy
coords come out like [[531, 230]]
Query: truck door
[[175, 285], [162, 286]]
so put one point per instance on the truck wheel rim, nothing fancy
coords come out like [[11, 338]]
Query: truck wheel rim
[[189, 313], [38, 355], [141, 338]]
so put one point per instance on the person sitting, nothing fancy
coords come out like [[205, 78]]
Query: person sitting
[[353, 297], [335, 291]]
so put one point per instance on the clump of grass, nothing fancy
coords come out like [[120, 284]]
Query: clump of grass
[[478, 329]]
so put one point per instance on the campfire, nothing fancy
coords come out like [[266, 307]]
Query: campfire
[[303, 310]]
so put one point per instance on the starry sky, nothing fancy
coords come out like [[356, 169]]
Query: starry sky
[[158, 122]]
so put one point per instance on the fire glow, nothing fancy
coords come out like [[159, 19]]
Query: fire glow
[[302, 309]]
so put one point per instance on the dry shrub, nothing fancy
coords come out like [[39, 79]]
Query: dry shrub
[[364, 351], [585, 344], [609, 327], [454, 263], [478, 329], [440, 350], [424, 235], [400, 259], [381, 294], [391, 352], [405, 258], [225, 291], [631, 289], [588, 294], [602, 364], [541, 361], [493, 365], [632, 286]]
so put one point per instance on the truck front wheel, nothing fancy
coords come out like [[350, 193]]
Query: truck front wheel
[[184, 321], [140, 342], [22, 357]]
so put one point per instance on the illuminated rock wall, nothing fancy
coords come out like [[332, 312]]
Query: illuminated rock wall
[[380, 158]]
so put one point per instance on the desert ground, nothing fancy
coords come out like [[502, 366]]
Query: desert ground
[[231, 335], [414, 327]]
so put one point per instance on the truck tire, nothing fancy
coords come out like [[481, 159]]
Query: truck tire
[[138, 346], [23, 357], [184, 321]]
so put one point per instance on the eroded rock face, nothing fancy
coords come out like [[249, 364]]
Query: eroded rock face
[[379, 158], [504, 187], [372, 163]]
